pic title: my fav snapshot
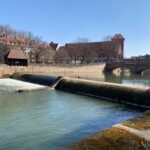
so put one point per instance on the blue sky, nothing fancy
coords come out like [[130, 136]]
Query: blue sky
[[63, 21]]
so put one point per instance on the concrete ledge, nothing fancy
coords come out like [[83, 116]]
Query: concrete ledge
[[116, 92]]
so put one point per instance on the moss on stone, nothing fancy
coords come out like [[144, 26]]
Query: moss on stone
[[117, 138], [111, 139], [141, 122]]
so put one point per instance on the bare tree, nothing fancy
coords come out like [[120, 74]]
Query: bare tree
[[107, 38], [87, 56], [3, 51], [81, 40], [61, 57]]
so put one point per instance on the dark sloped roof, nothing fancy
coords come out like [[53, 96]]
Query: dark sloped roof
[[16, 54], [53, 45], [95, 46]]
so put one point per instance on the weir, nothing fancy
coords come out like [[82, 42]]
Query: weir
[[110, 91], [13, 85], [115, 92], [28, 82], [37, 79]]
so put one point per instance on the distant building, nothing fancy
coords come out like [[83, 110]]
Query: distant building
[[11, 42], [14, 41], [36, 53], [16, 58], [105, 50], [53, 45], [44, 53]]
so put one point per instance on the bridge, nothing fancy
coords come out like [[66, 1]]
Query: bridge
[[135, 66]]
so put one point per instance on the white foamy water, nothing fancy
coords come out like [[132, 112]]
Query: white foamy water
[[15, 85]]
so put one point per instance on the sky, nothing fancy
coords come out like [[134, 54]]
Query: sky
[[64, 21]]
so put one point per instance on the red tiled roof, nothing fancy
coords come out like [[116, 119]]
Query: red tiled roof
[[42, 46], [16, 54], [9, 39]]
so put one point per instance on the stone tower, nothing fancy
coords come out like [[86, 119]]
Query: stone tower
[[118, 40]]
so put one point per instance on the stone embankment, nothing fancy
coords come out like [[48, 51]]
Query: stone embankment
[[131, 135], [88, 71]]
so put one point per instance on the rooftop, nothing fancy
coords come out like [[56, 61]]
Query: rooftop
[[16, 54]]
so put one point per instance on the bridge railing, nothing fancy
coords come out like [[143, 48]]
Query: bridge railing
[[129, 62]]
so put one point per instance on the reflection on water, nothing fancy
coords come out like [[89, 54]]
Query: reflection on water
[[48, 120], [133, 80], [128, 79]]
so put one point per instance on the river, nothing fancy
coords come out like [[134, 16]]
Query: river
[[50, 119]]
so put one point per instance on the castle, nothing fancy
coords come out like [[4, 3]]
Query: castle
[[105, 50]]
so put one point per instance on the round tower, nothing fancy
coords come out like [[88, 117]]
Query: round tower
[[118, 39]]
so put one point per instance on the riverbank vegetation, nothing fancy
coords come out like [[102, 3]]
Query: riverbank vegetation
[[111, 139]]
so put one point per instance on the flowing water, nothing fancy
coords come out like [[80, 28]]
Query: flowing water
[[50, 119]]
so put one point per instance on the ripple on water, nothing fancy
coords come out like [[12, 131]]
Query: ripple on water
[[51, 119]]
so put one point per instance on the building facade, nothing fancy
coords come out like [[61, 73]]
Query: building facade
[[16, 58], [36, 52], [105, 50]]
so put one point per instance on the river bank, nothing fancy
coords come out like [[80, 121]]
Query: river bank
[[133, 134]]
